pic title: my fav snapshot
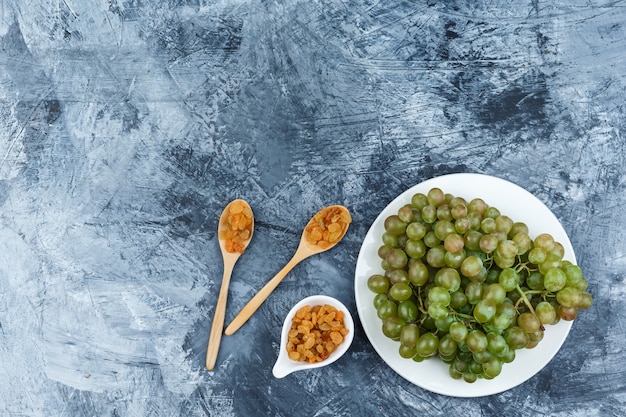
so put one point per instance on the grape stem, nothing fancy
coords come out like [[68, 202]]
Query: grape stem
[[527, 302]]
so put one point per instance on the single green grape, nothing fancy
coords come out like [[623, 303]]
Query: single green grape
[[407, 310], [400, 291], [427, 345], [394, 225], [378, 284]]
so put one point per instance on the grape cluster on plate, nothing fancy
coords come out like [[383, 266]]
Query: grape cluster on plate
[[465, 283]]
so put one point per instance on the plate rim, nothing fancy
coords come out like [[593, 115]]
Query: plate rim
[[403, 366]]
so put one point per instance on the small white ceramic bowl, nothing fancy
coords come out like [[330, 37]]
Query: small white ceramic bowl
[[284, 366]]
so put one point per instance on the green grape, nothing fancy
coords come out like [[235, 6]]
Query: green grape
[[415, 249], [476, 341], [534, 338], [494, 292], [500, 321], [501, 236], [528, 322], [545, 312], [492, 276], [478, 359], [437, 311], [503, 262], [477, 205], [444, 212], [429, 214], [488, 243], [509, 279], [400, 291], [581, 285], [488, 225], [439, 295], [435, 257], [471, 266], [419, 201], [492, 212], [443, 228], [458, 299], [407, 310], [475, 218], [454, 374], [492, 368], [418, 273], [407, 352], [448, 278], [436, 197], [496, 343], [585, 301], [504, 223], [378, 284], [508, 357], [431, 240], [516, 337], [458, 331], [454, 260], [416, 231], [573, 274], [544, 241], [460, 365], [462, 225], [409, 335], [405, 214], [392, 327], [453, 242], [394, 226], [484, 310], [470, 377], [397, 258], [569, 297], [474, 292], [506, 249], [472, 240], [427, 345], [383, 250], [558, 250], [390, 240], [523, 242], [443, 325], [378, 300], [518, 227], [458, 211], [535, 281], [554, 279], [387, 308], [397, 275], [447, 346], [551, 261], [537, 255], [567, 313]]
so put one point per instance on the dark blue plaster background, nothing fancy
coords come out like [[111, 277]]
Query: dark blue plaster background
[[127, 125]]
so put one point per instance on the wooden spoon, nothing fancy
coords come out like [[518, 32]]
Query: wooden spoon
[[309, 245], [231, 248]]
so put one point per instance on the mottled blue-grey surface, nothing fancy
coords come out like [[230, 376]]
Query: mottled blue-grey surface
[[127, 125]]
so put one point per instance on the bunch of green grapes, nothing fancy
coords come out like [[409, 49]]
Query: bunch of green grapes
[[467, 284]]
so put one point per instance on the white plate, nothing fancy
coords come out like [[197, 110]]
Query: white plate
[[432, 374]]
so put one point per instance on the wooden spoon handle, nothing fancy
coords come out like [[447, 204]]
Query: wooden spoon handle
[[255, 302], [218, 318]]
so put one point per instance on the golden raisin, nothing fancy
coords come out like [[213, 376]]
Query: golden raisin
[[311, 337], [237, 228], [327, 226]]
